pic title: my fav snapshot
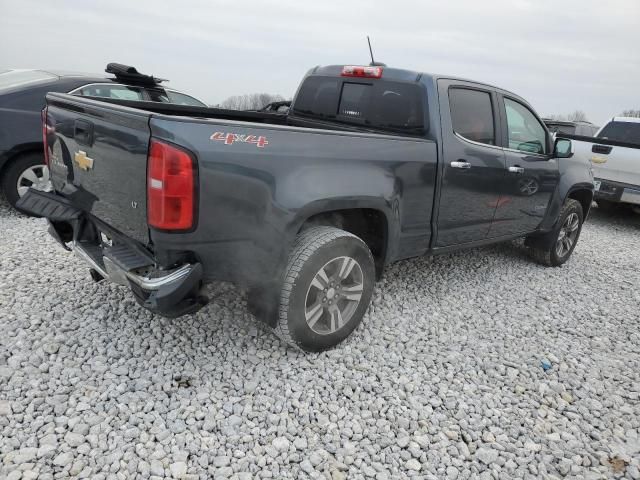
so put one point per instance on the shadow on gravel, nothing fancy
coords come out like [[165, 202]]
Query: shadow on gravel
[[622, 216]]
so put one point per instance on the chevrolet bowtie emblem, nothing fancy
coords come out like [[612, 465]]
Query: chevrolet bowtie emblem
[[84, 162], [599, 159]]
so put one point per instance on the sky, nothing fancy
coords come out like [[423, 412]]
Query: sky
[[560, 55]]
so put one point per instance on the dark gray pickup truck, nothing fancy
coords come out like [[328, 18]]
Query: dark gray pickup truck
[[370, 165]]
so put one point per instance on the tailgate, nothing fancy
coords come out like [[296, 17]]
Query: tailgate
[[98, 159]]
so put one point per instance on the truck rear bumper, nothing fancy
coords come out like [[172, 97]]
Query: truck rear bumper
[[168, 292], [617, 192]]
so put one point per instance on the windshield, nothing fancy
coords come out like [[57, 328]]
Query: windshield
[[177, 98], [16, 78], [182, 99], [622, 132]]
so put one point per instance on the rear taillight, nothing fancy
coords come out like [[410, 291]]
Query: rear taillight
[[170, 187], [45, 132], [361, 72]]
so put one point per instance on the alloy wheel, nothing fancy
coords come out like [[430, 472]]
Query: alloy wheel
[[567, 235], [334, 295], [36, 177]]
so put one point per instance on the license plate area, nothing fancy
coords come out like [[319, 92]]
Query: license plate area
[[630, 195]]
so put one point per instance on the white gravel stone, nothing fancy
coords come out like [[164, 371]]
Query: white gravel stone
[[5, 408], [63, 459], [178, 469], [157, 468], [442, 380], [221, 461], [487, 456], [281, 444], [413, 464]]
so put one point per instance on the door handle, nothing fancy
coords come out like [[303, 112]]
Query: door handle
[[603, 149], [516, 169], [460, 164]]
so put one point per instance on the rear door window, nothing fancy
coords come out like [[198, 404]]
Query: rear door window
[[472, 115], [383, 105]]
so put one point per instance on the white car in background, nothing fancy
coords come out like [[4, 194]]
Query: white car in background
[[615, 156]]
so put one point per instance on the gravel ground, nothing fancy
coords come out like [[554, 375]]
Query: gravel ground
[[444, 378]]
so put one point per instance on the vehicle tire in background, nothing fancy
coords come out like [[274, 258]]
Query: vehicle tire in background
[[23, 172], [554, 248], [328, 284]]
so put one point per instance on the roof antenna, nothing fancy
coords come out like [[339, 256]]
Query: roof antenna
[[373, 62]]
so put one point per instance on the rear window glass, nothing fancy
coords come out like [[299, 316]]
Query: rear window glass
[[621, 132], [391, 106], [121, 92], [18, 78]]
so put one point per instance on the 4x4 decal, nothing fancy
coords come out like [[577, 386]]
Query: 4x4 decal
[[231, 138]]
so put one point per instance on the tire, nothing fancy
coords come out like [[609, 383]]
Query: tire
[[342, 299], [16, 168], [545, 249]]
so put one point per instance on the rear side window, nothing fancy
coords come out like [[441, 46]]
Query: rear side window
[[628, 132], [391, 106], [472, 115], [122, 92]]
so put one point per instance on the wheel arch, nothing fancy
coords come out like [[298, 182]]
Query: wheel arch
[[371, 220], [583, 195]]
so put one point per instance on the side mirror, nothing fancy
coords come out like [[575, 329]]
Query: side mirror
[[562, 148]]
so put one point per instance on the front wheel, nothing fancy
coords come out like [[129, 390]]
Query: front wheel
[[555, 248], [328, 284]]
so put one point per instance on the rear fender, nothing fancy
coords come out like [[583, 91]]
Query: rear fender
[[323, 189]]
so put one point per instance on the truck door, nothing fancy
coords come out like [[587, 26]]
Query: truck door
[[474, 163], [532, 174]]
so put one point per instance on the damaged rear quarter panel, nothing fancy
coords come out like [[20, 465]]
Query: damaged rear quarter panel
[[253, 200]]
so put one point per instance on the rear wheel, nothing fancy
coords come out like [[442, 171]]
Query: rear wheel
[[555, 248], [327, 288], [24, 172]]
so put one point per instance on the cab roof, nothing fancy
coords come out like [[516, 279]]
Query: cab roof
[[626, 119], [404, 75]]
